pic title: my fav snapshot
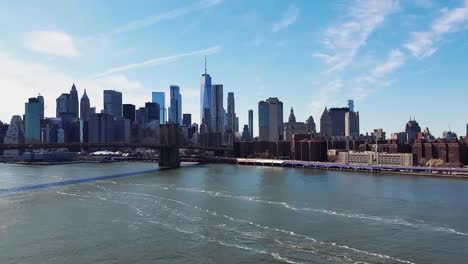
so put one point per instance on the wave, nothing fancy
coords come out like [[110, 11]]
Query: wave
[[394, 221], [273, 229]]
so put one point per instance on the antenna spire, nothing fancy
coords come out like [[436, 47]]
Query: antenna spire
[[205, 64]]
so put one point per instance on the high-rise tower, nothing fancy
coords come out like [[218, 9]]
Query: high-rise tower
[[205, 99], [175, 109]]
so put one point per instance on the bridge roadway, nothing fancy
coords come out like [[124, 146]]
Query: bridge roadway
[[169, 153], [105, 145]]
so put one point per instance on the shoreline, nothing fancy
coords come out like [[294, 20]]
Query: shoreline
[[438, 172]]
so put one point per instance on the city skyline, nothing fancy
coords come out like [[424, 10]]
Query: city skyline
[[273, 65]]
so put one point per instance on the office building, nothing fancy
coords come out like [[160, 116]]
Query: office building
[[231, 114], [32, 121], [160, 99], [101, 128], [175, 108], [54, 132], [62, 104], [293, 127], [14, 135], [270, 119], [217, 109], [376, 158], [152, 111], [412, 129], [251, 127], [129, 112], [325, 124], [122, 130], [205, 99], [352, 124], [187, 119], [379, 134], [73, 102], [113, 103], [311, 127], [85, 106]]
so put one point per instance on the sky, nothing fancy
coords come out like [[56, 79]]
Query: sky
[[396, 59]]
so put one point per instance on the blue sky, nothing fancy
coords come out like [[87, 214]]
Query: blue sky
[[396, 59]]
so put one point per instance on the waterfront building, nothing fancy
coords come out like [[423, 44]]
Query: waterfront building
[[231, 114], [293, 127], [32, 120], [175, 108], [270, 119], [251, 127], [113, 103], [160, 99], [217, 110], [412, 129], [376, 158], [14, 135], [101, 128], [129, 112], [73, 102], [85, 106], [187, 119], [205, 99]]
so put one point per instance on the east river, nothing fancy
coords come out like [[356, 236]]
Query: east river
[[227, 214]]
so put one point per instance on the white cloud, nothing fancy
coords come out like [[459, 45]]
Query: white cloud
[[290, 17], [326, 97], [24, 79], [51, 43], [346, 38], [367, 84], [158, 61], [423, 44], [156, 18]]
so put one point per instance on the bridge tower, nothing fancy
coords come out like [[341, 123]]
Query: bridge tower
[[170, 141]]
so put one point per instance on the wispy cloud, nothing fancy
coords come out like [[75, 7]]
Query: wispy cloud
[[51, 43], [158, 61], [158, 17], [290, 17], [326, 96], [366, 84], [424, 44], [346, 38]]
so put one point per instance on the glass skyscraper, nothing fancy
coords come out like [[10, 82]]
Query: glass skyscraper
[[175, 109], [251, 123], [113, 102], [217, 110], [32, 121], [270, 119], [205, 99], [160, 99]]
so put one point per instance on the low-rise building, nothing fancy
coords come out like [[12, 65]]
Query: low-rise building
[[373, 158]]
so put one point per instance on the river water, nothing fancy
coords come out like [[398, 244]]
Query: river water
[[227, 214]]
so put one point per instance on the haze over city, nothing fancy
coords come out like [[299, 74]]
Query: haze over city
[[396, 59]]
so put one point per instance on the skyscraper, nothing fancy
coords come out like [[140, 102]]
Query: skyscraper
[[85, 106], [73, 101], [270, 119], [187, 119], [293, 127], [205, 99], [62, 104], [251, 128], [311, 127], [217, 108], [14, 135], [175, 109], [159, 98], [32, 120], [151, 112], [412, 129], [129, 112], [101, 128], [41, 101], [325, 124], [352, 124], [231, 113], [113, 103]]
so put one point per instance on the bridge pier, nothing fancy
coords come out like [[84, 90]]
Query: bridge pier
[[169, 154]]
